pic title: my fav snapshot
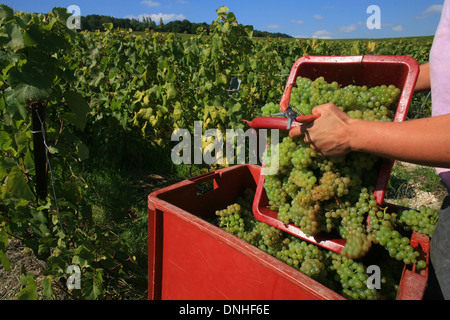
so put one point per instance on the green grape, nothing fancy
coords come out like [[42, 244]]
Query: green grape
[[313, 268], [302, 178], [352, 277], [274, 190], [423, 220], [231, 220], [359, 102], [270, 108], [357, 245], [385, 234]]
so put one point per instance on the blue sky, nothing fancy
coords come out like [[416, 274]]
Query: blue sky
[[333, 19]]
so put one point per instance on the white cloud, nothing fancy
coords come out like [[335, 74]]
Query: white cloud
[[318, 17], [435, 8], [272, 26], [150, 3], [297, 21], [349, 28], [398, 28], [157, 16], [322, 34]]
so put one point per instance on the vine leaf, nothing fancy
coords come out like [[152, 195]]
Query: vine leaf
[[79, 108], [6, 13], [82, 151], [15, 33], [222, 10], [29, 292], [18, 186], [4, 261], [34, 81], [47, 287], [93, 287]]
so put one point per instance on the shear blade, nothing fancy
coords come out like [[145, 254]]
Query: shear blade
[[289, 123]]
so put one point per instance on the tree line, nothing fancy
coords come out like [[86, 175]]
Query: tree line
[[95, 22]]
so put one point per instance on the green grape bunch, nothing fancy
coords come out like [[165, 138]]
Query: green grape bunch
[[360, 102], [336, 271], [344, 273], [383, 228], [270, 108], [423, 220], [326, 194]]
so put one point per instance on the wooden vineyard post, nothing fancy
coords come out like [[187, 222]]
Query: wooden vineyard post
[[40, 158]]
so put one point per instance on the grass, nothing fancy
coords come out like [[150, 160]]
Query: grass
[[118, 197], [407, 181], [118, 204]]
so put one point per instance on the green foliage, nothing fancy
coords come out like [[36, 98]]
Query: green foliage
[[118, 96], [95, 22], [59, 230]]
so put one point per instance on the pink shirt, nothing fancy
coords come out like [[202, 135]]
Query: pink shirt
[[440, 74]]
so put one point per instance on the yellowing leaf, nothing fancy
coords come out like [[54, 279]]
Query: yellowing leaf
[[222, 10], [221, 79]]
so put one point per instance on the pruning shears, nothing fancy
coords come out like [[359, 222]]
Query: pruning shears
[[284, 120], [289, 113]]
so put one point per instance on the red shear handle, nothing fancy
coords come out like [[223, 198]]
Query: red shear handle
[[279, 123], [284, 105], [285, 99], [268, 123]]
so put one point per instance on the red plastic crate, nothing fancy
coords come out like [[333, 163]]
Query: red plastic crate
[[192, 259], [370, 70], [413, 284], [189, 258]]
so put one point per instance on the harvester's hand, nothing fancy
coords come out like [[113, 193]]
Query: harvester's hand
[[329, 134]]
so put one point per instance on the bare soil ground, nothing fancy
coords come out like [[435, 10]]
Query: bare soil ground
[[413, 194]]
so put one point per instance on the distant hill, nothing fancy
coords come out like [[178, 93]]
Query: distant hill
[[95, 22]]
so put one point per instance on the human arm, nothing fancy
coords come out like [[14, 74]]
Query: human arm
[[423, 80], [423, 141]]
